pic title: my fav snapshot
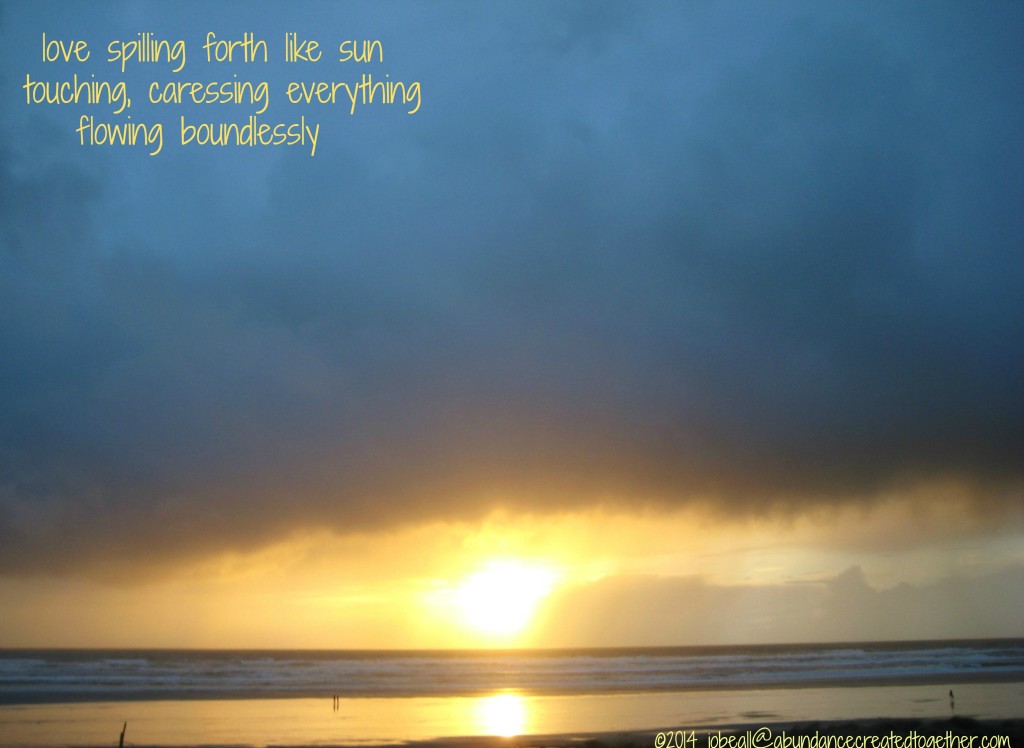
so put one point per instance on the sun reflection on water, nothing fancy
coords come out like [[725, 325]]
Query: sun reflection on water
[[502, 714]]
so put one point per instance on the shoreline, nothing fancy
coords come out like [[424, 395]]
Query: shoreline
[[542, 721], [950, 732], [882, 728], [71, 697]]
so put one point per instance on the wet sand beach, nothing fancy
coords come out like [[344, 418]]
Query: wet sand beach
[[534, 721], [954, 732]]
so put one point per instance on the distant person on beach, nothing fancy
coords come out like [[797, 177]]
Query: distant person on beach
[[951, 699]]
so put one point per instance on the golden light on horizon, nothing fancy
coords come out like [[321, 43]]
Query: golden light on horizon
[[501, 598]]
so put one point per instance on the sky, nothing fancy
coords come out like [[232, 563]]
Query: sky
[[678, 323]]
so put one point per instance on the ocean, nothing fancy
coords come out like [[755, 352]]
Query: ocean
[[178, 697]]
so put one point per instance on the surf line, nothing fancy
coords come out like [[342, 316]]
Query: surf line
[[251, 133]]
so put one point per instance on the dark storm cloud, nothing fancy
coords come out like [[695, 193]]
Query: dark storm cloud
[[624, 255]]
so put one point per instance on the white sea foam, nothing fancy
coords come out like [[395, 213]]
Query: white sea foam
[[55, 676]]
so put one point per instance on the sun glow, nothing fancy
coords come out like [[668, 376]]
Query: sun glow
[[501, 598], [503, 715]]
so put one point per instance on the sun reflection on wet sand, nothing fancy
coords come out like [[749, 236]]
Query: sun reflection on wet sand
[[503, 714]]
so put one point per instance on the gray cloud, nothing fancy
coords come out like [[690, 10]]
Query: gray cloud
[[690, 610], [620, 256]]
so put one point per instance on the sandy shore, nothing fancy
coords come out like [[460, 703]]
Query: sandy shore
[[955, 732], [596, 721]]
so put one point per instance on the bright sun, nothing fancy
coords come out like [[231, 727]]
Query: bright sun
[[500, 598]]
